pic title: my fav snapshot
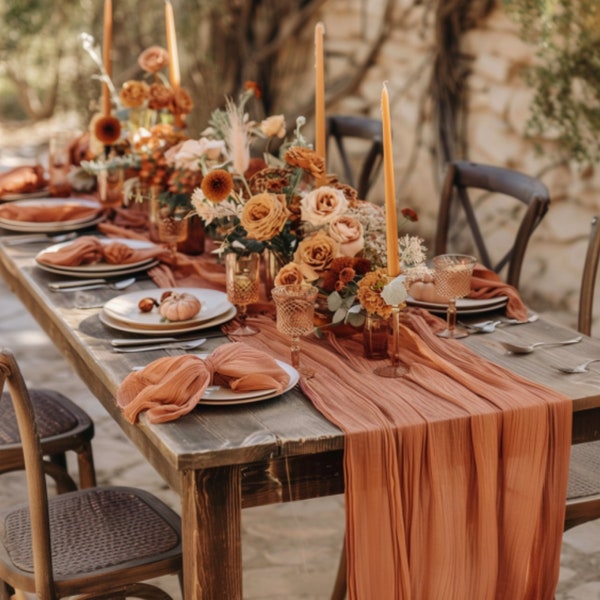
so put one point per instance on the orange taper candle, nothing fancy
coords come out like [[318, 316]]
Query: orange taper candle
[[106, 52], [174, 75], [319, 97], [391, 218]]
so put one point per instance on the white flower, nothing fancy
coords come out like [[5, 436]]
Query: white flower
[[413, 252], [394, 292], [209, 211], [186, 155], [273, 126]]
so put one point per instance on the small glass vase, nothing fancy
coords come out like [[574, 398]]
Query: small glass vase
[[376, 331], [272, 263]]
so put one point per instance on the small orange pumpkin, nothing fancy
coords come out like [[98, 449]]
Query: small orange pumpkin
[[179, 306]]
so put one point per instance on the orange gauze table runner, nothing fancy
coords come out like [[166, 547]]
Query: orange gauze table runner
[[455, 474]]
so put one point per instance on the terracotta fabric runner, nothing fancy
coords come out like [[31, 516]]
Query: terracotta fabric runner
[[455, 474]]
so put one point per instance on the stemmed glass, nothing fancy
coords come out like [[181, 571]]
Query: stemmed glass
[[170, 222], [242, 278], [453, 281], [295, 306]]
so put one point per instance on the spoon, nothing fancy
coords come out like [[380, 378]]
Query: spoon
[[170, 346], [527, 348], [582, 368], [484, 327], [113, 285]]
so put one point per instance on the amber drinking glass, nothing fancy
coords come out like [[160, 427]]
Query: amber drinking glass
[[242, 278]]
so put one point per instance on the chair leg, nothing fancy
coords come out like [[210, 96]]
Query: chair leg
[[85, 462], [341, 583], [144, 591], [64, 482]]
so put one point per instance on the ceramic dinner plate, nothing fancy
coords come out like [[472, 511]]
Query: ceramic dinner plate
[[221, 396], [124, 309], [43, 193], [463, 305], [124, 270], [54, 226], [100, 268], [119, 326]]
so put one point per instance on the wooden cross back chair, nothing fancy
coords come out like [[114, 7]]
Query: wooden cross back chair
[[342, 128], [583, 493], [62, 426], [100, 542], [462, 178]]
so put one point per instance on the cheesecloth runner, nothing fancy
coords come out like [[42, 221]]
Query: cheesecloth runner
[[455, 474]]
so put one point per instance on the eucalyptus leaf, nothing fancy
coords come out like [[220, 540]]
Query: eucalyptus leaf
[[334, 301]]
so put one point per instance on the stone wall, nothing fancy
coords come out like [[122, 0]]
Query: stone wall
[[499, 110]]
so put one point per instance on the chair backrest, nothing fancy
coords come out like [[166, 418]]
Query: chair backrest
[[588, 279], [461, 179], [340, 128], [10, 375]]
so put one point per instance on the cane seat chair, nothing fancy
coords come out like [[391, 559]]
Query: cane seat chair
[[62, 426], [583, 494], [100, 542], [462, 184], [341, 130]]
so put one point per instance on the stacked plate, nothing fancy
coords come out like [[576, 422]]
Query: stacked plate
[[219, 396], [54, 226], [100, 269], [123, 314], [463, 305]]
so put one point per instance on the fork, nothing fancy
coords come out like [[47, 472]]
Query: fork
[[170, 346]]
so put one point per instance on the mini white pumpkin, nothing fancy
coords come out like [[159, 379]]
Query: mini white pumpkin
[[179, 306]]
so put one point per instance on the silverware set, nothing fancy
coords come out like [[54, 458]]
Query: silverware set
[[27, 238], [75, 285], [490, 326]]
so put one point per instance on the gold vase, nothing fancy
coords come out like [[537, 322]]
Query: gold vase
[[376, 331]]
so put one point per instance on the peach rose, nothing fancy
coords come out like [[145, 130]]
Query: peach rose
[[316, 252], [348, 231], [322, 205], [134, 93], [153, 59], [160, 96], [306, 159], [289, 274], [264, 216], [181, 102], [273, 126]]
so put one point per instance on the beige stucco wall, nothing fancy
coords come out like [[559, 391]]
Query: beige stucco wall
[[499, 110]]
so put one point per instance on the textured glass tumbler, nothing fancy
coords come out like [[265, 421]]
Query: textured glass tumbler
[[242, 279]]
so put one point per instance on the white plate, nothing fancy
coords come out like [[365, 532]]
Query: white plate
[[124, 270], [124, 308], [57, 227], [93, 204], [463, 304], [119, 326], [98, 268], [221, 396], [43, 193]]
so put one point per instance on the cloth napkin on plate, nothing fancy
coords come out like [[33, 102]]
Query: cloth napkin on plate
[[47, 212], [485, 283], [172, 386], [21, 180], [89, 249]]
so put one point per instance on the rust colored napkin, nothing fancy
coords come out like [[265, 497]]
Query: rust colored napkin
[[172, 386], [485, 283], [89, 249], [22, 179], [46, 213], [455, 474]]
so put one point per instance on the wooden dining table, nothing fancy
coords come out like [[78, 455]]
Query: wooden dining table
[[224, 459]]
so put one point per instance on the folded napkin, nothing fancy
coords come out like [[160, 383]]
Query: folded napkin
[[21, 180], [172, 386], [485, 283], [47, 212], [89, 249]]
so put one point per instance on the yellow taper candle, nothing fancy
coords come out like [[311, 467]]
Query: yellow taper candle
[[174, 75], [391, 218], [106, 52], [319, 96]]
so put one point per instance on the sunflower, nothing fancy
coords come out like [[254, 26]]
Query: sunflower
[[217, 185], [107, 130]]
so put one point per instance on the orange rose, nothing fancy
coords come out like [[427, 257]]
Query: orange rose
[[289, 274], [316, 252], [348, 231], [181, 102], [133, 93], [264, 216], [306, 159], [153, 59], [323, 205], [160, 96]]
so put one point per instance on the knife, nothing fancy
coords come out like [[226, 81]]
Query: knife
[[119, 343], [13, 240], [74, 283]]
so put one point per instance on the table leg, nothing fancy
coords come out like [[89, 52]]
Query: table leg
[[212, 539]]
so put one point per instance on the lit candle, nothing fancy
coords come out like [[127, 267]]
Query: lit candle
[[319, 97], [174, 75], [106, 50], [391, 218]]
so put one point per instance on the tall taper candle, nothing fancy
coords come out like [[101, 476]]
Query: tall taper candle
[[106, 52], [174, 75], [391, 218], [319, 96]]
